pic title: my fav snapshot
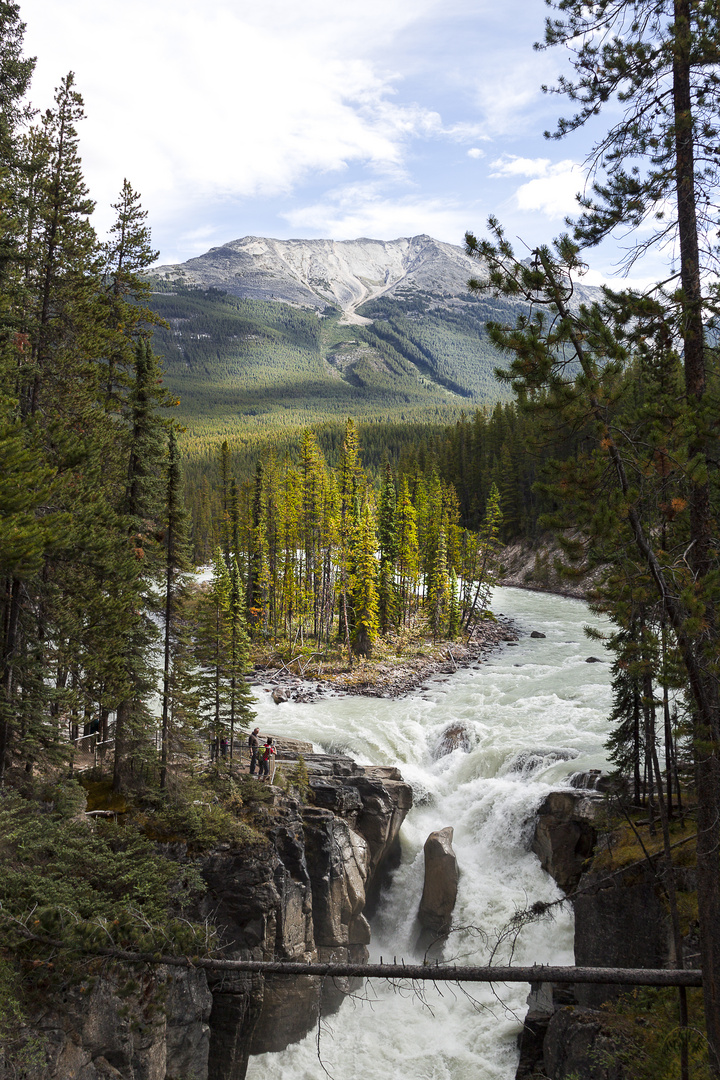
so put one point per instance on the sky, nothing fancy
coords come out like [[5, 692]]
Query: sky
[[317, 119]]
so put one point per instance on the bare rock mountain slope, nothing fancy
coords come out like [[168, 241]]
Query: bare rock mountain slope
[[315, 273]]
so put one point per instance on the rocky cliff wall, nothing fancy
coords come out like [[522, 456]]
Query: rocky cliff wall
[[535, 565], [301, 896], [621, 920], [306, 899], [113, 1025]]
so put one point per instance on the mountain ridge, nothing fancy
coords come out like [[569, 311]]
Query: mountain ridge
[[268, 333], [316, 273]]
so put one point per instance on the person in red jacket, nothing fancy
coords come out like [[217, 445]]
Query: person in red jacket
[[266, 753]]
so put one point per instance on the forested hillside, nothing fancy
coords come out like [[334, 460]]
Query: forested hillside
[[241, 365]]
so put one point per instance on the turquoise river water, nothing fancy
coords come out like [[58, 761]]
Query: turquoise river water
[[536, 712]]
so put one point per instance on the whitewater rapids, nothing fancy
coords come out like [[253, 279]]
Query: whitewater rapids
[[535, 712]]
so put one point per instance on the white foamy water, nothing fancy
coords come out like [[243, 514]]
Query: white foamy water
[[535, 712]]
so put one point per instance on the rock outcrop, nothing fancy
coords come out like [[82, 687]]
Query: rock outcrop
[[300, 896], [120, 1025], [580, 1043], [317, 272], [304, 899], [440, 888], [454, 737], [565, 834], [620, 921]]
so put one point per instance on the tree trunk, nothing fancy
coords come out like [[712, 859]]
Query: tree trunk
[[12, 616], [706, 726]]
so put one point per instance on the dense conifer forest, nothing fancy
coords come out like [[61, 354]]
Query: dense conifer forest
[[106, 632], [268, 366], [319, 531]]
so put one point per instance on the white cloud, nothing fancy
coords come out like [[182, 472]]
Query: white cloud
[[221, 115], [195, 103], [510, 165], [508, 89], [553, 192]]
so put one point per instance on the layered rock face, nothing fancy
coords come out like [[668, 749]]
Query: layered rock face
[[579, 1043], [305, 899], [620, 921], [565, 835], [300, 897], [145, 1027]]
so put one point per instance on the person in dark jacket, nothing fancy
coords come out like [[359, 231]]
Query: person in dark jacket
[[254, 744]]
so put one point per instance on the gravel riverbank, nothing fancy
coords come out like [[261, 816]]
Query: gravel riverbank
[[388, 677]]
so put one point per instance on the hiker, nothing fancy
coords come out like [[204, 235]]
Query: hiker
[[254, 744], [266, 754], [224, 747]]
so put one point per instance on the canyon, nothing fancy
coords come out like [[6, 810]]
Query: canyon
[[302, 896]]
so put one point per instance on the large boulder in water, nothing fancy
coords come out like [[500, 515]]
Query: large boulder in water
[[530, 762], [440, 888], [455, 736]]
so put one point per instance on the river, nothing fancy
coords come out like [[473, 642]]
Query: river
[[535, 712]]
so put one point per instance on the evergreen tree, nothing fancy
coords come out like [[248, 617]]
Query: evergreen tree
[[222, 645], [237, 656], [225, 497], [211, 641], [349, 490], [50, 420], [438, 590], [176, 561], [312, 474], [454, 610], [124, 258], [62, 264], [142, 503], [484, 561], [15, 74], [257, 561], [363, 584], [407, 561], [388, 544]]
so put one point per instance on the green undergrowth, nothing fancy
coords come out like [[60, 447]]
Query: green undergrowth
[[627, 844], [219, 806], [198, 810], [67, 870], [294, 780], [645, 1028], [330, 659], [73, 886]]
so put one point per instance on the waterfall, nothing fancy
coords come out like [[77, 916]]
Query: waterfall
[[531, 715]]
